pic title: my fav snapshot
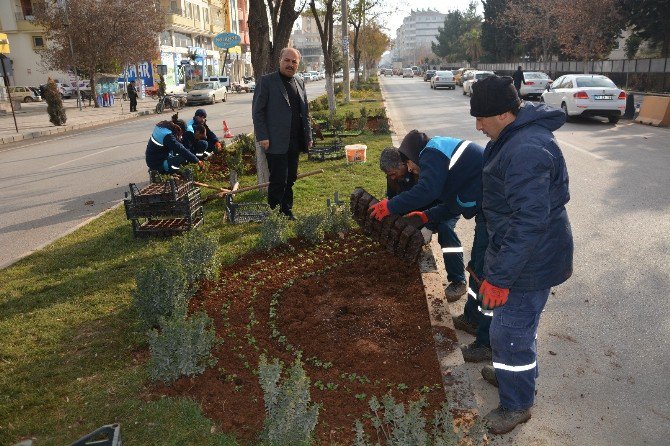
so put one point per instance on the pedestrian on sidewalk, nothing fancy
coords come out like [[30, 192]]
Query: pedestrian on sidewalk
[[518, 79], [525, 189], [280, 112], [399, 179], [450, 172], [132, 96]]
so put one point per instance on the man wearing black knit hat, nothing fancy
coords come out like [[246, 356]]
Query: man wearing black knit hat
[[525, 189]]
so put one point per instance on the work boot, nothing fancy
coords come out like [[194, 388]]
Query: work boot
[[455, 290], [461, 323], [476, 352], [500, 420], [489, 375]]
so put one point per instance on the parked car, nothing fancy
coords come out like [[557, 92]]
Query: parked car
[[458, 75], [207, 93], [407, 72], [314, 75], [24, 94], [427, 75], [223, 80], [443, 79], [470, 77], [534, 84], [339, 74], [586, 95]]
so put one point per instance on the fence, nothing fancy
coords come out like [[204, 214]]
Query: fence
[[638, 74]]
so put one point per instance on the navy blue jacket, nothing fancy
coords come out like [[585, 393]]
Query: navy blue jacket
[[162, 144], [451, 173], [189, 136], [525, 191]]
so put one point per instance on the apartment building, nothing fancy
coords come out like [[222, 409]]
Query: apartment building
[[307, 40], [414, 36]]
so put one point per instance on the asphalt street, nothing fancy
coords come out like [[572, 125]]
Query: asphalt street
[[53, 185], [604, 338]]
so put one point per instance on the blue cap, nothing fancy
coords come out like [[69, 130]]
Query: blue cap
[[201, 112]]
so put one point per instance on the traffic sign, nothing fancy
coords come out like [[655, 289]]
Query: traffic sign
[[226, 40]]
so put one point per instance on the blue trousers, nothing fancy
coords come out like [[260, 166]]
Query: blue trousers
[[452, 251], [473, 311], [514, 344]]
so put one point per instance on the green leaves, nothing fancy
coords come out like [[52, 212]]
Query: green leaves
[[161, 291]]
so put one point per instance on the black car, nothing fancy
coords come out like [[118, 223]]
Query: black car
[[428, 75]]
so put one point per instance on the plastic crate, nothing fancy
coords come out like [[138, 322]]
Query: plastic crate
[[324, 152], [165, 227], [246, 212], [179, 208]]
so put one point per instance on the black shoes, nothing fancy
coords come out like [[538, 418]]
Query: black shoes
[[455, 290], [500, 420], [489, 375], [476, 352], [289, 215], [461, 323]]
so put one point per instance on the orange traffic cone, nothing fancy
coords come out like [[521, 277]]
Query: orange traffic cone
[[226, 131]]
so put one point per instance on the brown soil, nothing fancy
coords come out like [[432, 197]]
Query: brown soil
[[367, 317]]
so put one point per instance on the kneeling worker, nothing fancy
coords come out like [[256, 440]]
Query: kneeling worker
[[165, 153], [449, 172], [200, 118]]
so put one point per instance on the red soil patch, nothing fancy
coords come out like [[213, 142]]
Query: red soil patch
[[366, 319]]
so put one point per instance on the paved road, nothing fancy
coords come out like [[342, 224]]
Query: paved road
[[52, 185], [607, 378]]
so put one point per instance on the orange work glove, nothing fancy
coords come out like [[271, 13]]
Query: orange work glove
[[380, 210], [417, 218], [492, 296], [217, 146]]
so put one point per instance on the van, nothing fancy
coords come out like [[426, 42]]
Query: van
[[223, 80]]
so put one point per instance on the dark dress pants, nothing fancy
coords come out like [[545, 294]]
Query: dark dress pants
[[133, 103], [283, 172]]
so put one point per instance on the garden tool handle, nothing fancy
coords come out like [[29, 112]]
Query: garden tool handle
[[473, 275]]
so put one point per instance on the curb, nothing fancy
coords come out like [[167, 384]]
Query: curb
[[68, 128]]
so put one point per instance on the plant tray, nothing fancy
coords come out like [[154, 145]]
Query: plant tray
[[332, 133], [246, 212], [326, 152], [180, 208], [165, 227], [170, 190]]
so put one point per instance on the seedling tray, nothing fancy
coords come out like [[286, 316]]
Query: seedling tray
[[326, 152], [166, 227], [170, 190], [246, 212], [164, 209]]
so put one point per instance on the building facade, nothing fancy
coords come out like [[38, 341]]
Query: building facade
[[414, 37], [307, 40]]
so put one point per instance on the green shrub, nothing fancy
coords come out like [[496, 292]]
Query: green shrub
[[274, 231], [349, 115], [290, 416], [55, 107], [324, 102], [314, 105], [197, 253], [161, 291], [183, 346], [364, 112], [338, 219], [311, 227]]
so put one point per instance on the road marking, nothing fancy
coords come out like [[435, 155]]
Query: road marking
[[85, 156], [579, 149]]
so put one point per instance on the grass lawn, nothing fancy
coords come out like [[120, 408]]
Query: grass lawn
[[73, 354]]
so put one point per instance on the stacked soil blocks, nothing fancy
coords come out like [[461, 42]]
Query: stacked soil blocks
[[164, 208], [394, 232]]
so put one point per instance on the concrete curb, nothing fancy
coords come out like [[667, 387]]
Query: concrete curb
[[455, 378], [68, 128]]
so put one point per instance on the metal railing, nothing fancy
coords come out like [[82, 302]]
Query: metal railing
[[656, 65]]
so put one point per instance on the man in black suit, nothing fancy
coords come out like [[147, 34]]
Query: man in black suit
[[281, 123]]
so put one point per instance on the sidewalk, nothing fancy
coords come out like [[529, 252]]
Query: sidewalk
[[33, 120]]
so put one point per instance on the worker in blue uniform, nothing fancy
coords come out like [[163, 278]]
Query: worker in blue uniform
[[525, 190], [165, 153]]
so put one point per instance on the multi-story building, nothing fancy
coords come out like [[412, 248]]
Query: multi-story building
[[415, 35], [307, 40]]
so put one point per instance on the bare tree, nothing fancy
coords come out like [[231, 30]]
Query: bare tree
[[588, 29], [325, 24], [534, 22], [103, 34], [361, 11]]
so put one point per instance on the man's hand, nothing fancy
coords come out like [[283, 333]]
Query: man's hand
[[380, 210], [427, 235], [218, 146], [417, 218], [201, 165], [492, 296], [265, 144]]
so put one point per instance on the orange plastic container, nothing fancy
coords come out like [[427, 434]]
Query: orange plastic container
[[356, 153]]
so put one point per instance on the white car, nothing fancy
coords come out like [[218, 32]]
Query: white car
[[314, 75], [407, 72], [534, 83], [207, 93], [470, 77], [586, 95], [443, 79]]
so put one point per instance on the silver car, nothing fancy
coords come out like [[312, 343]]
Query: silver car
[[534, 83], [443, 79], [207, 93]]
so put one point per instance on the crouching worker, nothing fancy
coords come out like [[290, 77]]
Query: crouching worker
[[450, 185], [191, 135], [400, 179], [165, 152]]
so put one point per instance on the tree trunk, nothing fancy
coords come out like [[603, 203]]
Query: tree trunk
[[93, 94]]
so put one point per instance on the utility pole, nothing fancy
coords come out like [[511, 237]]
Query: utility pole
[[346, 92], [5, 79], [74, 66]]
